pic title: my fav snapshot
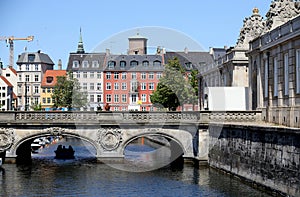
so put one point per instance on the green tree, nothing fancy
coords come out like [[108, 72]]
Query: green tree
[[173, 88], [37, 107], [67, 93]]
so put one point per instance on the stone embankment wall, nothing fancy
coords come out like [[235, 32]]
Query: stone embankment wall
[[268, 156]]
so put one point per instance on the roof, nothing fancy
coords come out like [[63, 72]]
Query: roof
[[196, 58], [6, 81], [139, 58], [38, 57], [13, 70], [54, 74], [137, 36], [90, 57]]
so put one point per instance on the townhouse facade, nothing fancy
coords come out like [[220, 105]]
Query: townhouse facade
[[31, 67], [6, 95]]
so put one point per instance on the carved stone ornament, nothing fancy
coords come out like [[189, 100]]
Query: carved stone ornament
[[7, 138], [280, 12], [55, 131], [252, 28], [109, 139]]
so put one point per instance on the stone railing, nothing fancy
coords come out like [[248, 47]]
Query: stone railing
[[202, 117]]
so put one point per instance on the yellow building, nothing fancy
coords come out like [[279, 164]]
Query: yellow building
[[48, 83]]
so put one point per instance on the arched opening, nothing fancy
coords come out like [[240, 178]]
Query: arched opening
[[44, 147], [154, 151]]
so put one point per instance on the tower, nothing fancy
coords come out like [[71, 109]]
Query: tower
[[137, 45], [80, 48]]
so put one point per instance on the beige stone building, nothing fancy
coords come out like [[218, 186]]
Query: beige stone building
[[274, 65]]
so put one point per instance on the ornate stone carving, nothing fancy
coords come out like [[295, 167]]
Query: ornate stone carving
[[109, 139], [55, 131], [280, 12], [252, 28], [7, 138]]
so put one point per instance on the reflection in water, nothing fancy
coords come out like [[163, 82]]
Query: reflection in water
[[83, 177]]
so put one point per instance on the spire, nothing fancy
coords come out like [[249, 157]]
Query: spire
[[80, 48]]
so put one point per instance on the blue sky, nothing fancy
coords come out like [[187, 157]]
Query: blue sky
[[55, 24]]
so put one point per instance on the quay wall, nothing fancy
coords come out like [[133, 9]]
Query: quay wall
[[267, 156]]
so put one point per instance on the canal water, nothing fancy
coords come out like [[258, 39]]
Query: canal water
[[81, 176]]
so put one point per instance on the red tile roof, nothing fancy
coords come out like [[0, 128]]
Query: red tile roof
[[54, 74], [6, 81], [13, 70]]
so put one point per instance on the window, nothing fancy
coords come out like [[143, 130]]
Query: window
[[31, 57], [151, 86], [189, 65], [92, 86], [78, 74], [298, 71], [116, 86], [92, 99], [49, 79], [158, 75], [108, 86], [133, 63], [122, 64], [27, 89], [20, 67], [99, 98], [27, 78], [44, 100], [124, 86], [133, 75], [143, 86], [36, 89], [84, 86], [44, 90], [116, 75], [286, 74], [36, 78], [266, 77], [99, 86], [143, 108], [36, 67], [143, 76], [124, 98], [151, 75], [116, 98], [95, 64], [48, 90], [144, 98], [156, 63], [85, 64], [134, 86], [108, 98], [98, 75], [124, 75], [92, 75], [20, 77], [133, 98], [84, 74], [111, 64], [108, 75], [275, 77], [75, 64], [145, 63], [27, 67], [19, 89], [48, 100]]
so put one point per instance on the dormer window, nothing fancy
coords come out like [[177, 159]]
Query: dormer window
[[156, 63], [133, 63], [75, 64], [31, 57], [95, 64], [189, 65], [145, 63], [49, 79], [85, 64], [111, 64], [122, 64]]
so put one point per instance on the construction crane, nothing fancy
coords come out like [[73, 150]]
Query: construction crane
[[10, 40]]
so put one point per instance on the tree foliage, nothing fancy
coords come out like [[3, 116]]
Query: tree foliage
[[67, 93], [173, 89]]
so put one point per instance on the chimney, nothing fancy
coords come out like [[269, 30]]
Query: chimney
[[186, 50], [59, 65], [107, 52]]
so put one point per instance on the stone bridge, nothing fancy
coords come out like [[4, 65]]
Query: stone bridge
[[110, 132]]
